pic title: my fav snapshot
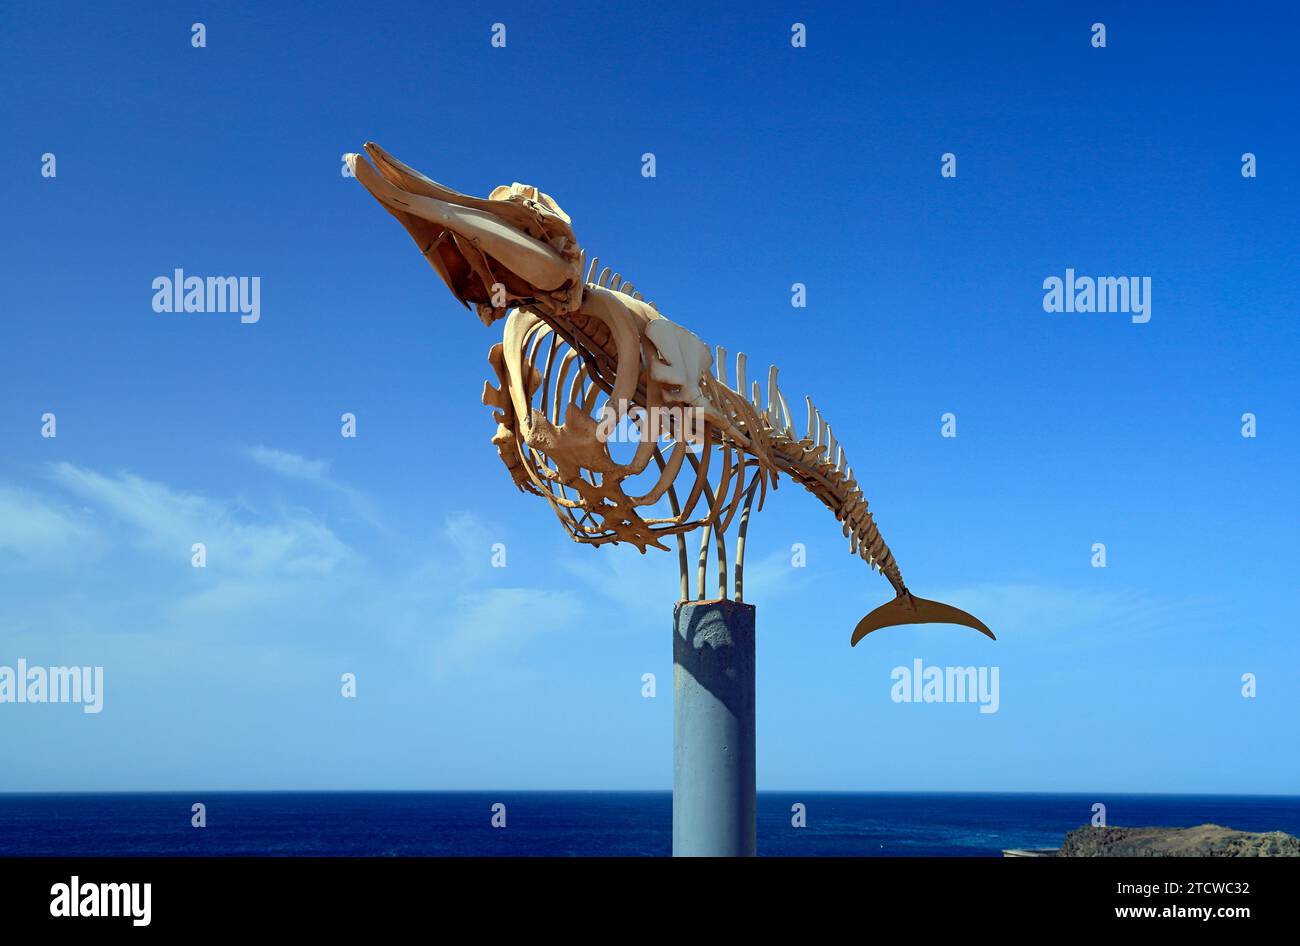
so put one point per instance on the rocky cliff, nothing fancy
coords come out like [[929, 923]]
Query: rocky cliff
[[1207, 840]]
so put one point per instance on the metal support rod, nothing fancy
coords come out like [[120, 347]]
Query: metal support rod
[[740, 537], [681, 539]]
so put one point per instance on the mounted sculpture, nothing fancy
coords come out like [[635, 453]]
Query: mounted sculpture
[[583, 355]]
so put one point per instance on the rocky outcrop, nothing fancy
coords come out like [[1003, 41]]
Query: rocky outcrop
[[1207, 840]]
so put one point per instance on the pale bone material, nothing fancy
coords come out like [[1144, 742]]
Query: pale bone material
[[583, 355]]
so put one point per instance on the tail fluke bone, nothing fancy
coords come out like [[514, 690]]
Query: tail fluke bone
[[909, 609]]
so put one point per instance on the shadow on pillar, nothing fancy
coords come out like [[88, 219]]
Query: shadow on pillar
[[713, 729]]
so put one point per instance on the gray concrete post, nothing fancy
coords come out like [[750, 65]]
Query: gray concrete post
[[713, 729]]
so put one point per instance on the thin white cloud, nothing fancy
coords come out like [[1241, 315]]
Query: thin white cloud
[[281, 572], [40, 532], [490, 622], [471, 540], [160, 519], [292, 465], [1087, 616], [772, 576]]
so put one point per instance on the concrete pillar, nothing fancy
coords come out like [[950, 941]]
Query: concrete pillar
[[713, 729]]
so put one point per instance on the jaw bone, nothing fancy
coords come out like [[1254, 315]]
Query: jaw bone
[[463, 237]]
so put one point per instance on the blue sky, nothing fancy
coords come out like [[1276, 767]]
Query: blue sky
[[775, 165]]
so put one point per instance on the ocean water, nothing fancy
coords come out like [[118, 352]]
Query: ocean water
[[387, 824]]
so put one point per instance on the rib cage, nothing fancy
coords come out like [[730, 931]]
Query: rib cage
[[562, 394], [555, 376]]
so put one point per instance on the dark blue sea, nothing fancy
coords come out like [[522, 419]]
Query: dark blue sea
[[396, 824]]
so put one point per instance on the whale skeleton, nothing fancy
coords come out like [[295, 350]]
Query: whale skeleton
[[582, 351]]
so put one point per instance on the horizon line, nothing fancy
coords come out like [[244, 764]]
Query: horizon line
[[621, 791]]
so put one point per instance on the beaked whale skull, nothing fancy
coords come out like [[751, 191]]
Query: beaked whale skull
[[515, 248]]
